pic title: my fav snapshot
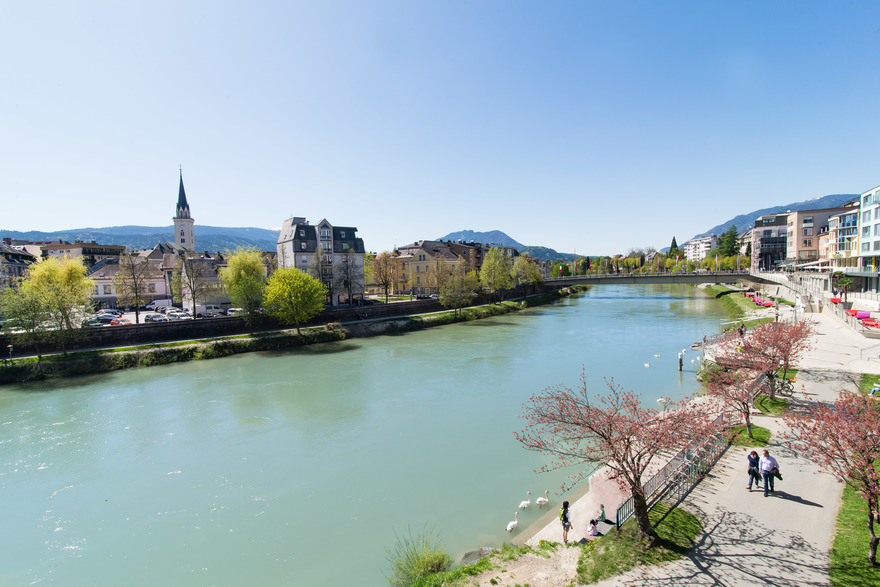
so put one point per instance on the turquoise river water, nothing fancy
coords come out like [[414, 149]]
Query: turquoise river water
[[298, 468]]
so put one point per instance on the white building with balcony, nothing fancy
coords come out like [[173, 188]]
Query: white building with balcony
[[696, 249]]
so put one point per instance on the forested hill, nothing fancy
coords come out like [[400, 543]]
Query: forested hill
[[744, 222], [208, 238], [500, 238]]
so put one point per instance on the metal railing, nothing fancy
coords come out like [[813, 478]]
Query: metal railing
[[681, 473]]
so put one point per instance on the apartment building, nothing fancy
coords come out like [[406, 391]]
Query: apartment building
[[869, 230], [696, 249], [769, 238], [802, 234], [843, 239], [90, 253], [334, 254]]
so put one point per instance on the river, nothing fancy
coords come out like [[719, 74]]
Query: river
[[300, 467]]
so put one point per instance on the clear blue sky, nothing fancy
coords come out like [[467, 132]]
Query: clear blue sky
[[584, 126]]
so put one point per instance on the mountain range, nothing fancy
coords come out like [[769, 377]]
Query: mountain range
[[221, 238]]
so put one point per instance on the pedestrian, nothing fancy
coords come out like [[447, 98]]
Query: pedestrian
[[565, 518], [768, 466], [754, 472]]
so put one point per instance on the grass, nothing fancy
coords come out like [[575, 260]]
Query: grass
[[739, 436], [415, 556], [461, 576], [774, 407], [849, 566], [620, 552], [868, 382]]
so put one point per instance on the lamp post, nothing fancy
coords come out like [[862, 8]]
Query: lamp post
[[9, 346]]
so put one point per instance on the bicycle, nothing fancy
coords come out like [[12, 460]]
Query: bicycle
[[785, 387]]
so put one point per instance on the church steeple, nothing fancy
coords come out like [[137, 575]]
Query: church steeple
[[184, 234], [182, 207]]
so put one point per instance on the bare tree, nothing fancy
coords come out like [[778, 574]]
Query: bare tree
[[348, 274], [133, 280], [196, 275]]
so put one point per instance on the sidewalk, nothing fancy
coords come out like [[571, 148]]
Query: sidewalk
[[783, 539]]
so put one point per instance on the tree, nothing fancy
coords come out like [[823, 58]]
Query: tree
[[460, 289], [383, 270], [766, 348], [194, 276], [841, 282], [674, 251], [294, 296], [575, 427], [495, 273], [560, 269], [526, 272], [244, 279], [844, 440], [369, 275], [438, 273], [728, 242], [27, 312], [348, 275], [133, 280], [736, 390], [65, 290]]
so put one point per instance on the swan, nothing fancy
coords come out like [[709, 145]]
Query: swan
[[543, 500], [512, 525], [528, 501], [657, 356], [647, 365]]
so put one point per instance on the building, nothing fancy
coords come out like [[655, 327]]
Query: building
[[769, 241], [333, 254], [869, 230], [803, 228], [422, 267], [13, 263], [89, 253], [696, 249], [184, 231], [843, 239]]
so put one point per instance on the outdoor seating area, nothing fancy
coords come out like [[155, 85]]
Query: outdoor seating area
[[759, 301], [864, 317]]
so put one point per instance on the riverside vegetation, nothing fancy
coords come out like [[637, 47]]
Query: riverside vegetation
[[102, 361]]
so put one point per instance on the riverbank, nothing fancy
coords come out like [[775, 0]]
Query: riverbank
[[96, 361]]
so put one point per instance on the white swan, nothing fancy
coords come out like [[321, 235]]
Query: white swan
[[543, 500], [657, 356], [512, 525], [647, 365], [527, 502]]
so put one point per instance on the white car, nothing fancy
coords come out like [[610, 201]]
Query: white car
[[234, 311]]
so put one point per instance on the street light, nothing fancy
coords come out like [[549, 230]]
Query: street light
[[9, 346]]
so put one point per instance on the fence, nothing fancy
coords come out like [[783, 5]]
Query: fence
[[681, 473]]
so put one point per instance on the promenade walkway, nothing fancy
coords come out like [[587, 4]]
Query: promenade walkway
[[783, 539]]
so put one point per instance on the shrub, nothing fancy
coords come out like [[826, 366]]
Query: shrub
[[416, 556]]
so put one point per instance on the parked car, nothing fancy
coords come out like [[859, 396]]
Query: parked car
[[120, 322], [91, 321], [234, 312], [204, 309], [156, 304], [112, 311], [178, 315], [105, 318], [155, 318]]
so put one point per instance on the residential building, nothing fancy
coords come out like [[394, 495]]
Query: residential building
[[843, 239], [769, 241], [90, 253], [184, 230], [13, 263], [696, 249], [333, 254], [421, 267], [802, 231], [869, 230], [104, 292], [745, 242]]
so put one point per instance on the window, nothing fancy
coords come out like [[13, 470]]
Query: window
[[418, 268], [181, 232], [877, 230], [182, 240], [151, 287], [418, 279], [808, 220], [866, 215], [325, 234], [866, 246], [866, 231], [107, 290], [341, 234], [808, 232], [876, 213], [302, 246], [325, 246], [877, 245], [808, 242]]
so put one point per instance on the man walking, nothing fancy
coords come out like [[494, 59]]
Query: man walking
[[767, 464]]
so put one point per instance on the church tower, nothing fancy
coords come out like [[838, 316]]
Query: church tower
[[183, 222]]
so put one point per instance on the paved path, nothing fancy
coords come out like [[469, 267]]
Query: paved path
[[783, 539]]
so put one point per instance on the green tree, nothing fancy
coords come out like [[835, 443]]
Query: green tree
[[244, 279], [132, 281], [460, 289], [27, 313], [525, 272], [560, 269], [294, 296], [674, 251], [495, 274], [65, 290], [728, 242], [369, 275]]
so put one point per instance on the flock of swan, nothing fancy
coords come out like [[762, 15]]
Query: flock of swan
[[540, 502], [657, 356]]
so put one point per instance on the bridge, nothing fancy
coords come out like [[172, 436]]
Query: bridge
[[636, 278]]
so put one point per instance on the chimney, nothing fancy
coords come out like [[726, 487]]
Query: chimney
[[7, 240]]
